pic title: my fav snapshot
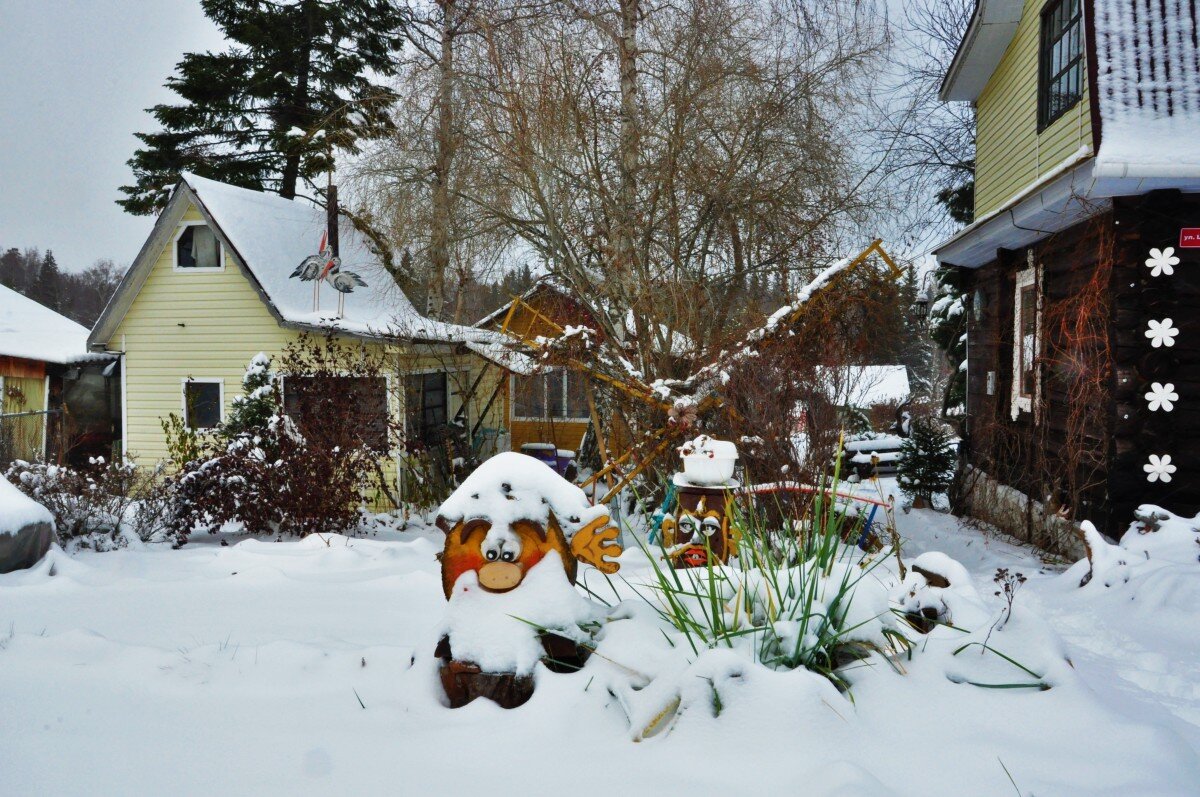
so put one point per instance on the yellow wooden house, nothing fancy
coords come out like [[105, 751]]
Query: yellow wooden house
[[214, 285]]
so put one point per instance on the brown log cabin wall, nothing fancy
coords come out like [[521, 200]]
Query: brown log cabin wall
[[1142, 223], [1084, 453], [1049, 454]]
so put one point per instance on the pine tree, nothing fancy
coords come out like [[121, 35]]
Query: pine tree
[[266, 113], [927, 460]]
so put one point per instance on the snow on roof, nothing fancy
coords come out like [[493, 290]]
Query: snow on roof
[[272, 235], [511, 487], [1148, 87], [865, 385], [35, 332]]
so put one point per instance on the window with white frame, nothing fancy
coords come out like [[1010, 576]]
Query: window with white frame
[[197, 248], [202, 402], [554, 394], [1027, 323]]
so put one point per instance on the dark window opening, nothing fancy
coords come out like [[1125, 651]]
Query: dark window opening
[[197, 247], [426, 401], [1027, 307], [202, 404], [557, 393], [1060, 70], [339, 410]]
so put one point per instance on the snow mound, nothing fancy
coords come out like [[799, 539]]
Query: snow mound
[[511, 487], [499, 631], [1156, 563]]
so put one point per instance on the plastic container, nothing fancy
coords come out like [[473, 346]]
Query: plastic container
[[565, 459], [708, 462], [543, 452]]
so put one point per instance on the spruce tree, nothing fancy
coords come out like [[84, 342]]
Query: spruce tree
[[46, 287], [947, 325], [266, 113], [252, 411], [927, 459]]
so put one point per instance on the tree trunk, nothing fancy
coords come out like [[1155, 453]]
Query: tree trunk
[[296, 113], [439, 244]]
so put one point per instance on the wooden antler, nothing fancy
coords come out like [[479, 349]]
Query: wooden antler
[[595, 541]]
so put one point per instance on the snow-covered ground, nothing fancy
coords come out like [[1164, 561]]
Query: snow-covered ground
[[288, 668]]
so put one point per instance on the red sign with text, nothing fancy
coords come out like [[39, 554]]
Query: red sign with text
[[1189, 238]]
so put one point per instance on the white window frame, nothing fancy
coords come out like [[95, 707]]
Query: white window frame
[[183, 383], [512, 397], [1026, 278], [194, 270]]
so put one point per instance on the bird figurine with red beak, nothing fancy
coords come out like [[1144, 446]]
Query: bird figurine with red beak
[[516, 533]]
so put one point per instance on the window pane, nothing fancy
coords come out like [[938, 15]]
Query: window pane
[[1028, 346], [425, 407], [529, 396], [198, 247], [577, 406], [202, 404], [556, 406]]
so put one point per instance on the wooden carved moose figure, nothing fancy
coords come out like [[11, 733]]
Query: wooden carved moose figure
[[516, 532]]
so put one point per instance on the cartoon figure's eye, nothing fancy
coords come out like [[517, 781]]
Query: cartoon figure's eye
[[491, 556], [507, 556], [711, 526]]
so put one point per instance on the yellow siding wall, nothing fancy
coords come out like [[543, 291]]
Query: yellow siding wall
[[208, 325], [1010, 154]]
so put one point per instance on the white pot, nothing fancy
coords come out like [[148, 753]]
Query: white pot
[[711, 464]]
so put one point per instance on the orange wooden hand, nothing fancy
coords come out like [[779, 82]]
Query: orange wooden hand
[[595, 541]]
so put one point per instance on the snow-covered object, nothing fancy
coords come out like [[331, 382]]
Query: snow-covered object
[[18, 510], [1160, 546], [511, 487], [499, 631], [863, 385], [708, 462], [34, 332], [1148, 88], [26, 529]]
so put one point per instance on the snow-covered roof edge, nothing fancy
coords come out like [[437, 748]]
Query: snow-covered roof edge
[[31, 331], [418, 329]]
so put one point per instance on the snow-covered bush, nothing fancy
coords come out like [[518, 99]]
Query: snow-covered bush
[[927, 460], [95, 505], [267, 472], [795, 597]]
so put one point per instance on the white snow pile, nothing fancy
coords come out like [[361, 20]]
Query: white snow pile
[[1156, 563], [18, 510], [510, 487], [499, 631], [323, 647]]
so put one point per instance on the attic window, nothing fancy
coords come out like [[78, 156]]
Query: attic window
[[197, 249], [1060, 72]]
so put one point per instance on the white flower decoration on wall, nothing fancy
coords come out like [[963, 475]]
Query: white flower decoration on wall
[[1162, 261], [1162, 396], [1162, 333], [1159, 468]]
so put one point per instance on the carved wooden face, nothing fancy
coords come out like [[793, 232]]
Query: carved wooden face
[[501, 558]]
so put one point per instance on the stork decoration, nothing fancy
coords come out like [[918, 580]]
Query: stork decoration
[[326, 266]]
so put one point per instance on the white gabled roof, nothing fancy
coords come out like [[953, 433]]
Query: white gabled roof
[[34, 332], [269, 236], [864, 385]]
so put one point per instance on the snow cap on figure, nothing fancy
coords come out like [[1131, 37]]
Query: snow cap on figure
[[509, 514]]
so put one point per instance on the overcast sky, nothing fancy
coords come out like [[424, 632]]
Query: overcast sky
[[75, 77]]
